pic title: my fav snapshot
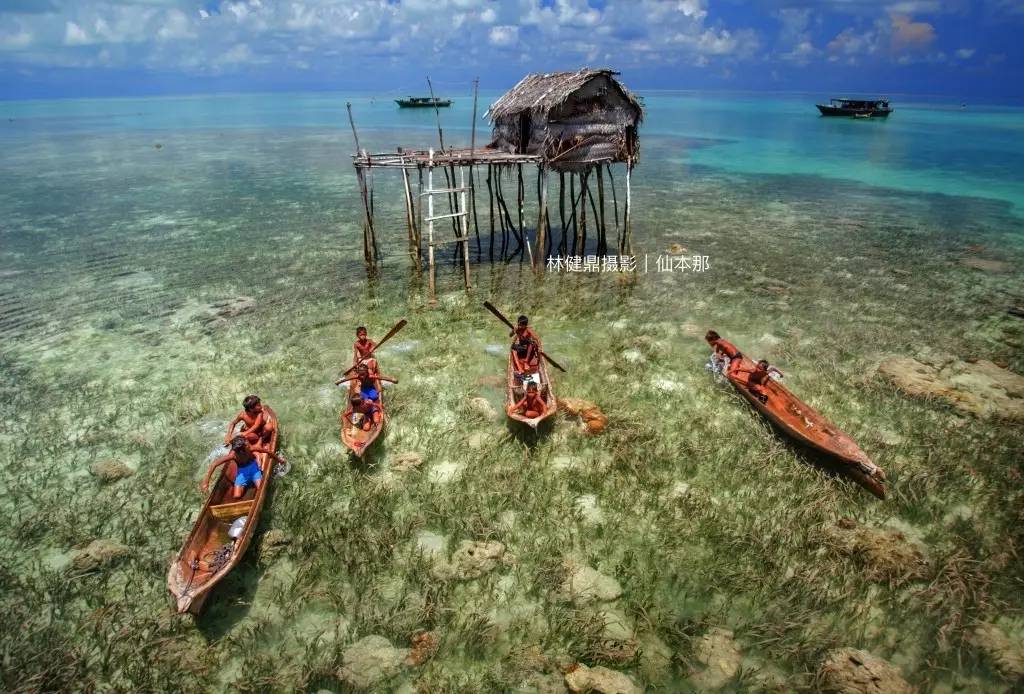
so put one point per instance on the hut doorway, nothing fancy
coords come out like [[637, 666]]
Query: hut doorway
[[524, 132]]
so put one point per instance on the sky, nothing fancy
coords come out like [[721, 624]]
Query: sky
[[86, 48]]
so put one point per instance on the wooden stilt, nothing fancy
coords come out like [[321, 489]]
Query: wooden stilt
[[561, 210], [410, 218], [575, 219], [627, 245], [615, 208], [490, 197], [542, 177], [465, 228], [430, 230], [520, 192], [603, 243], [472, 176], [582, 233]]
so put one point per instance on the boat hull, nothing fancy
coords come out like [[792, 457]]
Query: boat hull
[[402, 103], [827, 110], [514, 393], [807, 426], [357, 441], [190, 585]]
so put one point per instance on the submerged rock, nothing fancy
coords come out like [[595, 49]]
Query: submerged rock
[[986, 264], [371, 660], [584, 585], [273, 544], [655, 657], [853, 671], [98, 554], [1001, 650], [885, 554], [424, 646], [471, 560], [111, 470], [482, 407], [718, 652], [405, 462], [981, 388], [581, 678]]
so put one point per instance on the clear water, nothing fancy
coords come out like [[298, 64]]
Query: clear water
[[833, 243]]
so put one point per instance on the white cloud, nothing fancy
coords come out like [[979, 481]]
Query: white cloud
[[964, 53], [74, 35], [504, 35]]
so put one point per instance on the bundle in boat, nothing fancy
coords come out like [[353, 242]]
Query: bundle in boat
[[220, 536]]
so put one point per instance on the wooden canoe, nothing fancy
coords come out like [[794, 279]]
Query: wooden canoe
[[515, 392], [807, 426], [208, 554], [353, 437]]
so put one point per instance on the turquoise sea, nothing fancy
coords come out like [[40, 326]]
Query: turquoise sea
[[161, 258]]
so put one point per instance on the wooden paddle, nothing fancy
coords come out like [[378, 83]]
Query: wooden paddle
[[398, 326], [490, 307]]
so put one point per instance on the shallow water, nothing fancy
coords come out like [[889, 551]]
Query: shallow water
[[145, 291]]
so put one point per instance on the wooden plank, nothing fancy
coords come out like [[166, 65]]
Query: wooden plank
[[231, 511]]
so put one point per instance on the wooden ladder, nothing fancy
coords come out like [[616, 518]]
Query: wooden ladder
[[462, 215]]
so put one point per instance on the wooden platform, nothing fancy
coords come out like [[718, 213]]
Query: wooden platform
[[414, 159]]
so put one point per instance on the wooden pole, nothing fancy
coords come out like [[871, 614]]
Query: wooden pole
[[490, 197], [597, 219], [615, 208], [542, 176], [561, 210], [430, 229], [361, 178], [575, 219], [583, 214], [627, 245], [410, 216], [465, 228], [603, 250], [520, 192], [472, 176]]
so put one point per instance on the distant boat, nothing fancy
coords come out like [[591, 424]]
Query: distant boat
[[859, 108], [423, 102]]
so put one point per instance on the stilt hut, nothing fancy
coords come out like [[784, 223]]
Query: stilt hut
[[573, 120], [576, 124]]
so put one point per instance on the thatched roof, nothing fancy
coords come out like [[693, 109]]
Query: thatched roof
[[540, 93]]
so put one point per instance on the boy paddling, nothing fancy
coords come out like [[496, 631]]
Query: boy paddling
[[363, 347], [257, 425], [367, 380]]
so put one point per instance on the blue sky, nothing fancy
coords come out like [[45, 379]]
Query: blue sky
[[66, 48]]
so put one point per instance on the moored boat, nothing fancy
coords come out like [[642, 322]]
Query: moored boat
[[857, 108], [516, 389], [423, 102], [353, 436], [807, 426], [220, 535]]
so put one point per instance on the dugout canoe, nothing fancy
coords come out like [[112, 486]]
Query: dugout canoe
[[514, 392], [354, 438], [807, 426], [209, 554]]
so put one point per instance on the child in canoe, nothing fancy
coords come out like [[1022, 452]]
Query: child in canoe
[[724, 351], [367, 381], [758, 378], [363, 347], [257, 425], [523, 331], [525, 356], [363, 413], [531, 406], [243, 467]]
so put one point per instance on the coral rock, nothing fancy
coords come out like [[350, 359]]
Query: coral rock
[[852, 671], [98, 554], [404, 462], [424, 646], [584, 585], [981, 388], [371, 660], [581, 678], [273, 544], [1007, 656], [482, 407], [111, 470], [886, 554], [718, 652], [595, 420], [471, 560]]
